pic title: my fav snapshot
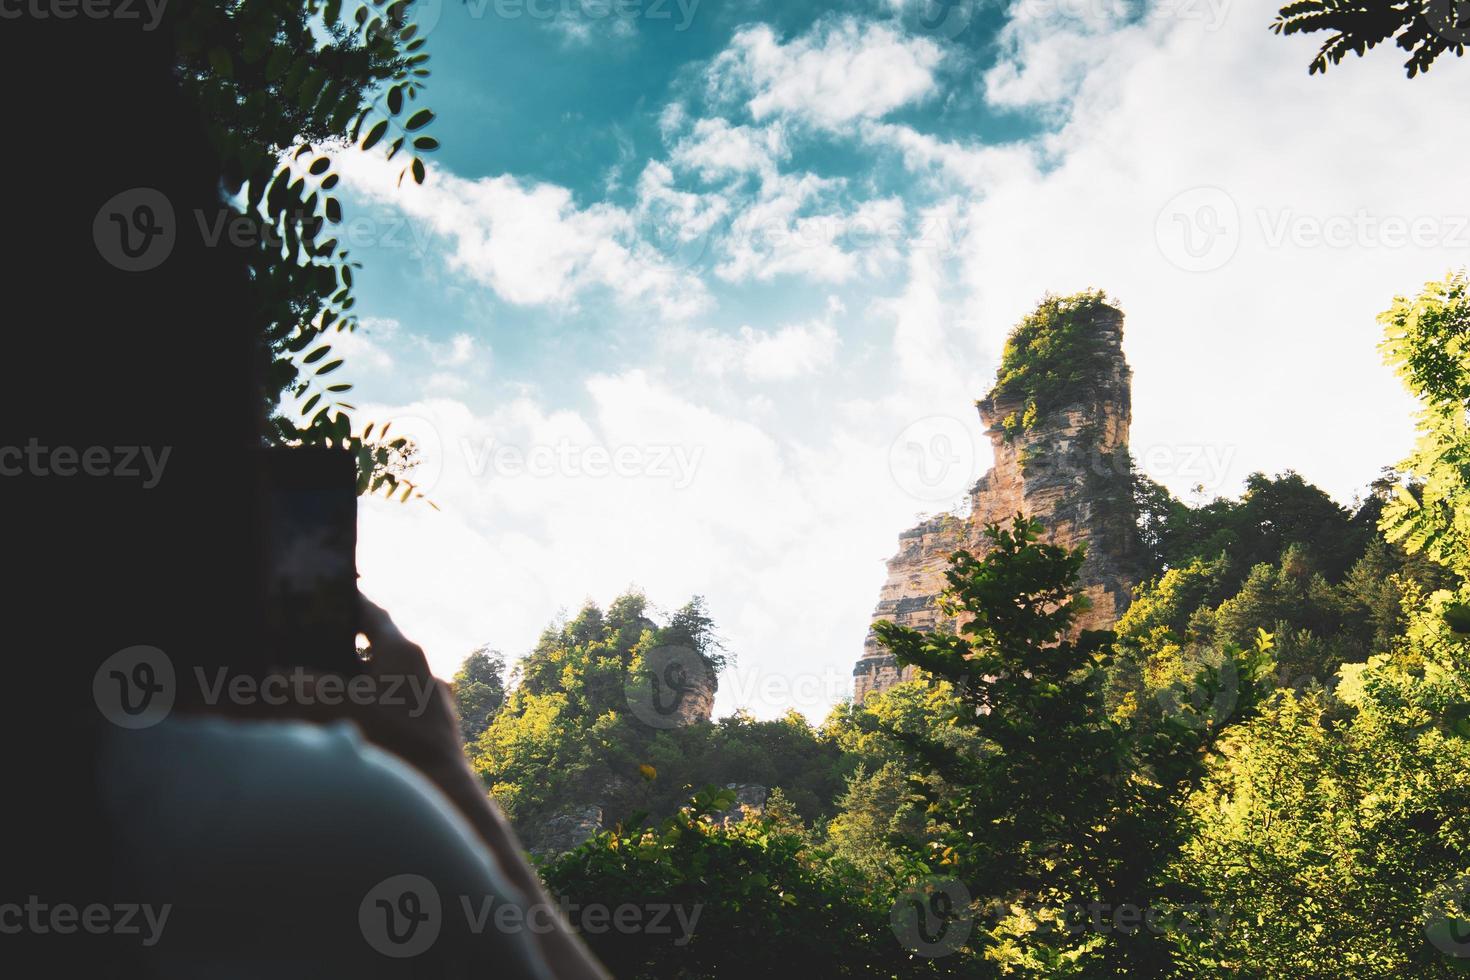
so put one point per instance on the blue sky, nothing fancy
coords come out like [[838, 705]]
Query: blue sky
[[690, 309]]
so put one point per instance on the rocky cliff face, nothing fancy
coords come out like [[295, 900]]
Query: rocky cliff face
[[1069, 468]]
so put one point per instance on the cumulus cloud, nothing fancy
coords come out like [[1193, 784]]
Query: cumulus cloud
[[842, 70], [531, 243], [716, 149], [792, 351]]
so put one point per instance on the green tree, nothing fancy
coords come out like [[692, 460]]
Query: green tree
[[1054, 348], [1427, 341], [767, 901], [1330, 824], [479, 691], [1065, 805], [568, 738]]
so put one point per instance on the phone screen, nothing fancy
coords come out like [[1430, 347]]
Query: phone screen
[[310, 558]]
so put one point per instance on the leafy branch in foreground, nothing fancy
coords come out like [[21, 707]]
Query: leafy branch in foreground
[[281, 85], [1424, 28]]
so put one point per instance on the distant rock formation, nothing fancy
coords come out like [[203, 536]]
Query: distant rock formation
[[1061, 457], [750, 800], [566, 831]]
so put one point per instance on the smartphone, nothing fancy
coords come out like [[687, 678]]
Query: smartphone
[[309, 558]]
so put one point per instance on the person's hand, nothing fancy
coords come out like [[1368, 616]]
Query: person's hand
[[411, 715]]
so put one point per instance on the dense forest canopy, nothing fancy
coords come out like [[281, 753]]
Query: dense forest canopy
[[1261, 771]]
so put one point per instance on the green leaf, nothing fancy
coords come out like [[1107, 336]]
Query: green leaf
[[329, 367], [317, 354], [395, 99], [375, 134], [419, 120], [425, 143], [221, 62], [418, 171]]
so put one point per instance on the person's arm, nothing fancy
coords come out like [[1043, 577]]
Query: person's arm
[[430, 743]]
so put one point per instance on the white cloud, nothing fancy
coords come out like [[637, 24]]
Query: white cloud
[[793, 351], [784, 506], [1269, 359], [364, 348], [716, 149], [531, 243], [458, 351], [711, 503], [795, 226], [841, 71]]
